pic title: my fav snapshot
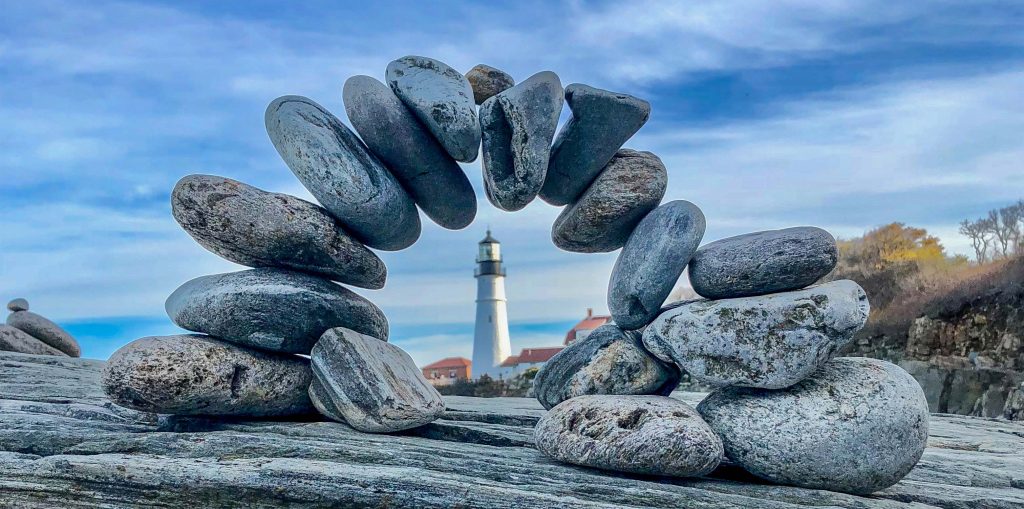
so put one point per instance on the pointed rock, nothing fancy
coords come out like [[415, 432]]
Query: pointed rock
[[16, 340], [488, 82], [46, 331]]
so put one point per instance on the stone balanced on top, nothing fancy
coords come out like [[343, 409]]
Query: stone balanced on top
[[27, 332], [763, 335]]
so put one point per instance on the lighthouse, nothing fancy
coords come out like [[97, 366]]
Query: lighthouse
[[490, 338]]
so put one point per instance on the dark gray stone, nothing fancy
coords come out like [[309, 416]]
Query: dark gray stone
[[653, 435], [253, 227], [601, 123], [601, 220], [858, 425], [607, 361], [488, 82], [442, 99], [371, 385], [763, 262], [272, 309], [518, 125], [46, 331], [651, 262], [772, 341], [191, 374], [18, 305], [342, 174], [16, 340], [434, 180]]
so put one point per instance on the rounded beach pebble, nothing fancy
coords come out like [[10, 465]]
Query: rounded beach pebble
[[18, 305], [488, 82], [16, 340], [46, 331]]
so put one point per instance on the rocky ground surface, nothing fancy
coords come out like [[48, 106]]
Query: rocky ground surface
[[63, 443]]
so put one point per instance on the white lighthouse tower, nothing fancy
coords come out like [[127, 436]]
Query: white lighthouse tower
[[490, 339]]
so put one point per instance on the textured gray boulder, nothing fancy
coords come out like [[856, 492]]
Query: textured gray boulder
[[607, 361], [272, 309], [442, 99], [18, 305], [518, 125], [488, 82], [434, 180], [858, 425], [604, 216], [45, 330], [342, 174], [372, 385], [653, 435], [253, 227], [601, 122], [763, 262], [16, 340], [199, 375], [651, 262], [772, 341]]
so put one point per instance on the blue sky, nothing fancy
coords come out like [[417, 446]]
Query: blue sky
[[845, 115]]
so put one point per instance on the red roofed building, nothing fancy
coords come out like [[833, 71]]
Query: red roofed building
[[586, 326], [527, 358], [447, 371]]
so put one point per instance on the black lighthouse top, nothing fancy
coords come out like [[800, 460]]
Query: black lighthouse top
[[488, 257]]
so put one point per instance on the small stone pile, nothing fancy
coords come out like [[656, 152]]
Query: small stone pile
[[27, 332]]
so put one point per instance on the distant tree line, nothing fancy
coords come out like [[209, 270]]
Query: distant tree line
[[1000, 234]]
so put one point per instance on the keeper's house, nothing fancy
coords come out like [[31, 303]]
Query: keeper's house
[[447, 371]]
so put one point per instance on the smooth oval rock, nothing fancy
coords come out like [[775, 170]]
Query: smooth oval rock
[[608, 361], [272, 309], [342, 174], [46, 331], [651, 262], [487, 82], [858, 425], [442, 99], [653, 435], [191, 374], [434, 180], [602, 219], [517, 126], [18, 305], [16, 340], [763, 262], [772, 341], [371, 385], [600, 124], [257, 228]]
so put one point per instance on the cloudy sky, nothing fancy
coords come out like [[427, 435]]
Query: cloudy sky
[[845, 115]]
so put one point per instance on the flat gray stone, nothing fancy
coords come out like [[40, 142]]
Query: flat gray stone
[[16, 340], [371, 385], [18, 305], [253, 227], [601, 220], [45, 330], [434, 180], [272, 309], [342, 174], [763, 262], [518, 125], [858, 425], [442, 99], [772, 341], [488, 82], [653, 435], [600, 124], [651, 262], [607, 361], [191, 374]]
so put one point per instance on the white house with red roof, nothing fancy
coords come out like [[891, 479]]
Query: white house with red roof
[[586, 326]]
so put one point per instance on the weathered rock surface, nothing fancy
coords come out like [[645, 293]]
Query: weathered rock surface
[[601, 220], [272, 309], [772, 341], [371, 385], [16, 340], [62, 442], [442, 99], [406, 147], [608, 361], [763, 262], [191, 374], [653, 435], [488, 82], [342, 174], [257, 228], [601, 123], [18, 305], [651, 262], [44, 330], [517, 127], [858, 425]]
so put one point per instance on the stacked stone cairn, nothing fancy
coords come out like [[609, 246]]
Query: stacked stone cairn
[[27, 332], [785, 409]]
